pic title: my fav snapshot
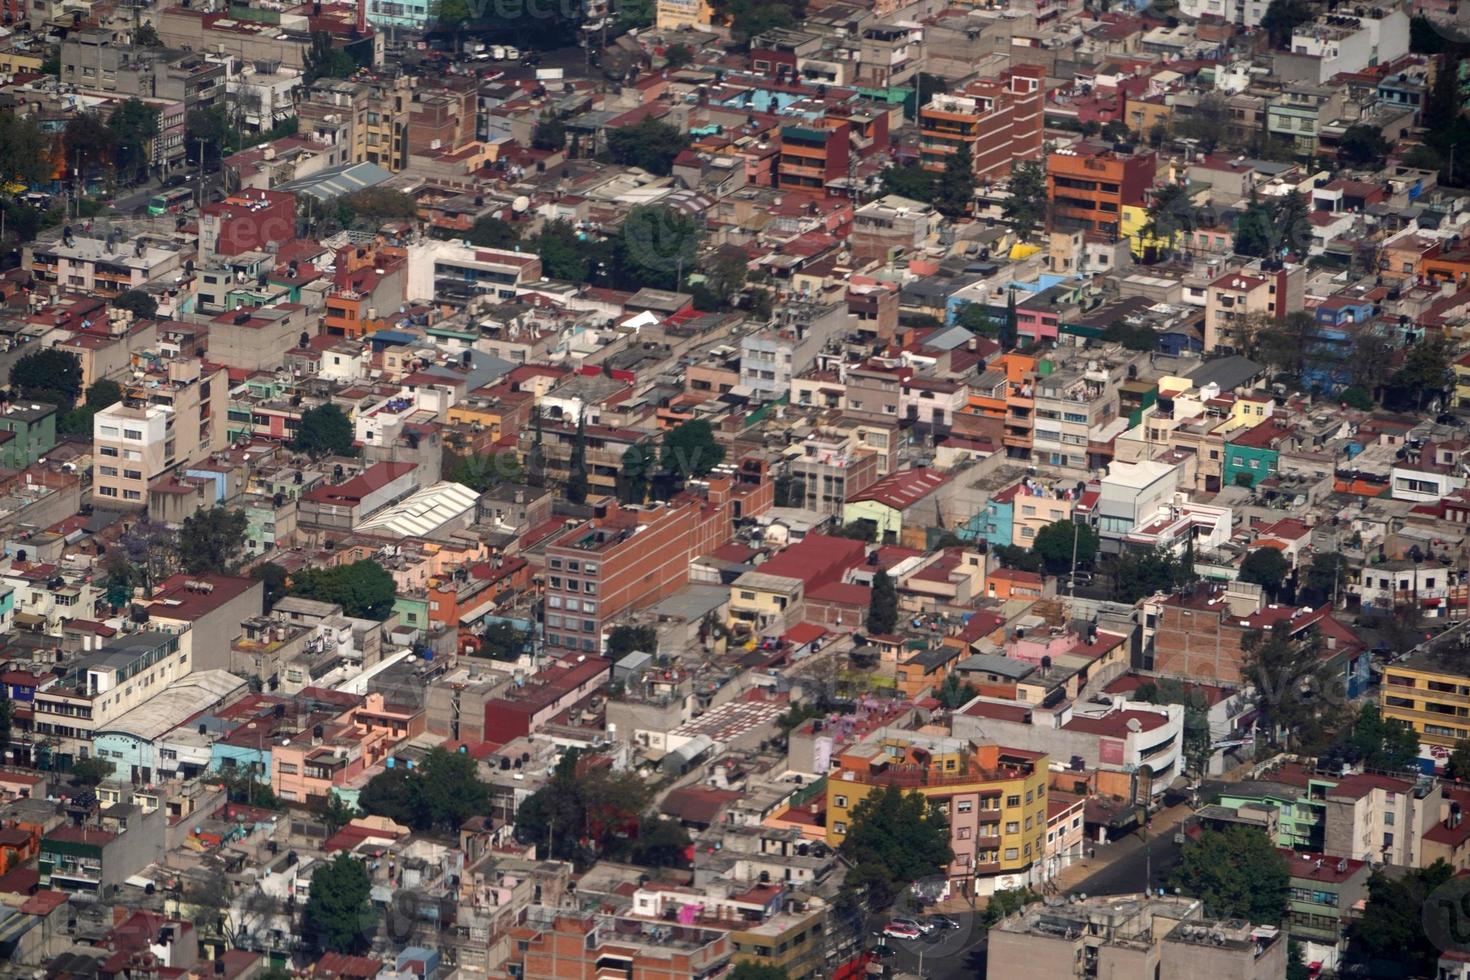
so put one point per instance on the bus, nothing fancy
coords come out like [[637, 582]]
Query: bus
[[170, 202]]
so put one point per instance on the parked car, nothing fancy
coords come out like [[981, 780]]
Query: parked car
[[897, 929], [177, 180], [943, 922]]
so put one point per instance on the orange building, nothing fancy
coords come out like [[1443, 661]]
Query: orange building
[[812, 155], [1088, 187], [1000, 120]]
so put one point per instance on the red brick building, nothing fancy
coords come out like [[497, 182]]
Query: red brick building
[[246, 221], [999, 119]]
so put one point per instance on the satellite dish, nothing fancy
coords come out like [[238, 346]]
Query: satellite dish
[[521, 204]]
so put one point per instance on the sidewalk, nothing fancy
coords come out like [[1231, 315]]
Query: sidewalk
[[1163, 825]]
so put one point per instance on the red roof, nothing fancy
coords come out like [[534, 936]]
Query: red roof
[[372, 479], [902, 489], [1116, 724]]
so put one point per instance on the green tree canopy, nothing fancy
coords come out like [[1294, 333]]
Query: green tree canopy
[[51, 375], [1362, 145], [25, 149], [502, 641], [375, 206], [1294, 686], [1327, 573], [1425, 374], [491, 232], [650, 144], [1056, 543], [436, 796], [481, 471], [90, 771], [338, 916], [1025, 204], [1458, 765], [636, 470], [1388, 939], [911, 181], [325, 431], [1197, 739], [134, 125], [212, 540], [1237, 872], [902, 834], [274, 577], [1266, 567], [691, 451], [1383, 743], [626, 639], [364, 589], [582, 810], [883, 606], [1282, 17], [954, 191], [142, 305]]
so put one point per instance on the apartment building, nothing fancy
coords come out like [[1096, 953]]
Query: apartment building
[[168, 416], [827, 467], [770, 358], [1069, 405], [993, 796], [628, 557], [999, 120], [563, 946], [1431, 692], [1089, 186], [100, 687], [102, 267], [246, 221], [891, 222], [812, 155], [1325, 889], [1300, 112], [458, 273]]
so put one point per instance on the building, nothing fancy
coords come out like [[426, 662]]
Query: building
[[888, 502], [33, 433], [999, 120], [629, 557], [167, 419], [825, 468], [812, 155], [553, 945], [1089, 187], [1430, 691], [458, 273], [1325, 890], [1165, 937], [994, 798], [246, 221]]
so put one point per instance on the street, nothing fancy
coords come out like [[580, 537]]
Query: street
[[1124, 874]]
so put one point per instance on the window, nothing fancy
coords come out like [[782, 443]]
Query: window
[[839, 827], [1011, 854], [964, 806], [132, 433], [962, 833], [1013, 800], [1012, 827], [840, 802]]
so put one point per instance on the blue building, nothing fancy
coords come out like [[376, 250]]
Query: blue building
[[1332, 342]]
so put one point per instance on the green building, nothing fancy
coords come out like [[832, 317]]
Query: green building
[[1256, 452], [1302, 821], [34, 429]]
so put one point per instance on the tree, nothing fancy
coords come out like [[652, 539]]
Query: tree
[[364, 589], [1170, 214], [25, 149], [954, 694], [975, 318], [661, 843], [212, 132], [1425, 373], [1383, 743], [502, 641], [241, 786], [50, 375], [954, 192], [749, 18], [1008, 335], [390, 794], [338, 916], [550, 134], [436, 796], [1294, 685], [678, 55], [690, 451], [1237, 872], [1389, 938], [626, 639], [883, 606], [1286, 345], [582, 809], [1018, 558], [490, 232], [376, 206], [659, 246], [576, 489], [758, 971], [1138, 574], [274, 578], [1206, 124], [324, 60], [139, 303], [902, 834], [481, 471], [335, 813], [324, 431], [1355, 397], [1457, 767], [1025, 204], [649, 144], [635, 470], [146, 36], [1266, 567], [1327, 574], [1283, 17], [1132, 336], [134, 125], [1063, 544], [1254, 234], [88, 142], [1362, 145], [91, 771], [1006, 902], [911, 181], [102, 394], [212, 540]]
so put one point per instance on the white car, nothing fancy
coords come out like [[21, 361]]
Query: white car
[[498, 52], [512, 54]]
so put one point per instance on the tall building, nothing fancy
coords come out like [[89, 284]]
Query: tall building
[[1000, 120], [628, 557], [167, 417], [1088, 187], [812, 155], [994, 798], [555, 945]]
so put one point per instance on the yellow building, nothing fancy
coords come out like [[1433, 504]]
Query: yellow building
[[993, 797], [1462, 381], [1430, 694], [672, 14], [791, 942], [758, 600]]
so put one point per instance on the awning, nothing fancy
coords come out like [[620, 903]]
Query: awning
[[29, 619]]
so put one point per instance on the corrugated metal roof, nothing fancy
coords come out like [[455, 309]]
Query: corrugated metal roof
[[424, 512]]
